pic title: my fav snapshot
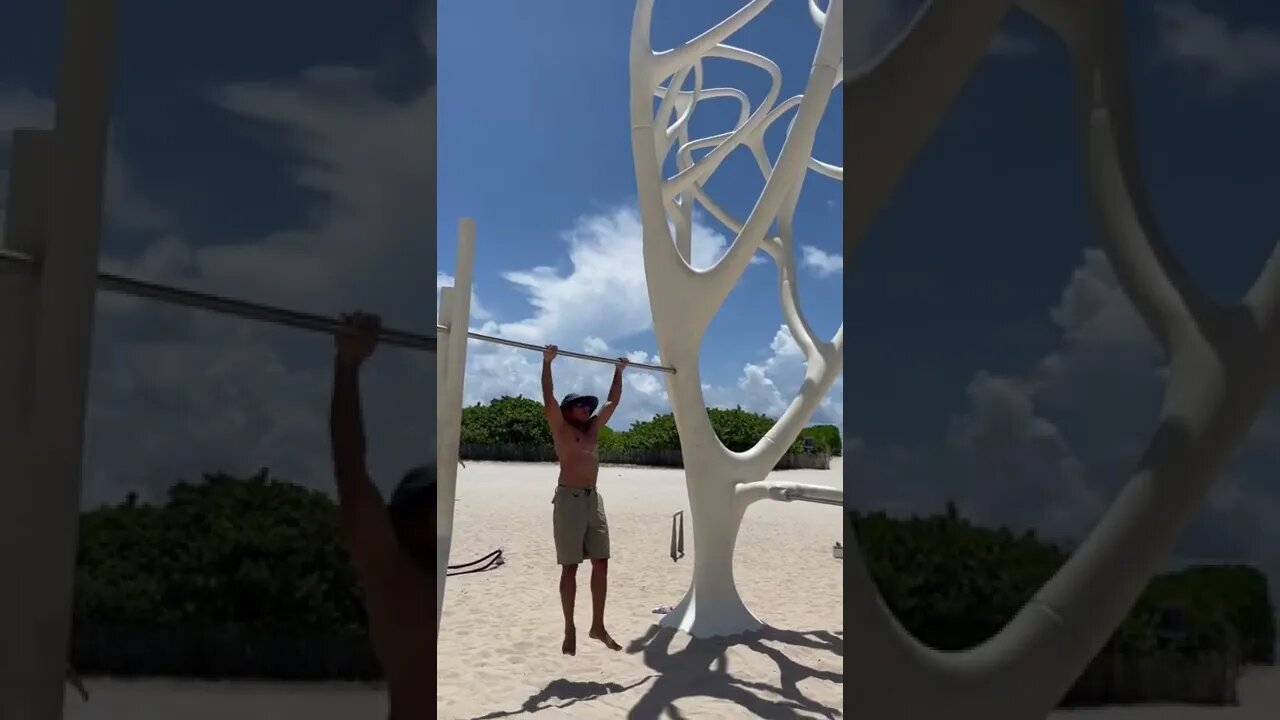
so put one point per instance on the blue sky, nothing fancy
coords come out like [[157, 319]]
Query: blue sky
[[534, 129]]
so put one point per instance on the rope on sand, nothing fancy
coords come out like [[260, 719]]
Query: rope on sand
[[492, 561]]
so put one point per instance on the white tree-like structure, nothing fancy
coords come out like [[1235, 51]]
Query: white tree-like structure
[[722, 483], [1224, 362]]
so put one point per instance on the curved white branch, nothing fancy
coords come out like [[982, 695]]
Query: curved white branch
[[824, 365], [1263, 298], [819, 17], [666, 62], [895, 104], [788, 281], [752, 126], [1151, 276], [792, 163], [1144, 268]]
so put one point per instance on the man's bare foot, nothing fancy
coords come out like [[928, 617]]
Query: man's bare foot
[[603, 636], [569, 646]]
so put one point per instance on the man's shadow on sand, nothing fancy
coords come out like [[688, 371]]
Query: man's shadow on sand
[[569, 691], [701, 669]]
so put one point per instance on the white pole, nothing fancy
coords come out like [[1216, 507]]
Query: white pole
[[456, 302], [20, 262], [36, 635], [445, 489], [26, 230]]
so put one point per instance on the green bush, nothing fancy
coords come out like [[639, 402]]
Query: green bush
[[505, 421], [826, 438], [954, 584], [611, 439], [1235, 594], [228, 550], [656, 433], [521, 421]]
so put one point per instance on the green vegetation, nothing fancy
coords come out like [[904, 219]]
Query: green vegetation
[[247, 576], [954, 584], [519, 421], [251, 551], [826, 438]]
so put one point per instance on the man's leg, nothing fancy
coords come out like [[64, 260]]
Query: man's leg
[[568, 591], [599, 587], [569, 523], [598, 550]]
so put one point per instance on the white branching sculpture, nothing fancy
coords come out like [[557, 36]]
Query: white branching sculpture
[[722, 483], [1223, 366]]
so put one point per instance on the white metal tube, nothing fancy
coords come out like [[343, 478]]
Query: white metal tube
[[446, 487], [36, 638], [26, 229], [441, 329], [449, 417], [119, 284]]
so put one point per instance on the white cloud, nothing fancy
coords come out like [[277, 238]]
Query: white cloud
[[769, 386], [603, 293], [823, 263], [1227, 57]]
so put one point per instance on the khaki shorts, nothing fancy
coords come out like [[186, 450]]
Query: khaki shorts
[[580, 527]]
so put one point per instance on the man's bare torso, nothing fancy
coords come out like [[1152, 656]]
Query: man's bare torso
[[401, 610], [576, 449]]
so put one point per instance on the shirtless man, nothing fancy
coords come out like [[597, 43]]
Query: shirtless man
[[580, 527], [391, 545]]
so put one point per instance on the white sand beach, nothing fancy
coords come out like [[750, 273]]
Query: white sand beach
[[1259, 691], [499, 651], [169, 699]]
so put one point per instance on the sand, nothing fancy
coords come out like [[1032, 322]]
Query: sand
[[1259, 691], [499, 651], [186, 700]]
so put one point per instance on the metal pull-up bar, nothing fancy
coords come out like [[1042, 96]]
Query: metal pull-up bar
[[442, 329], [121, 285], [821, 496]]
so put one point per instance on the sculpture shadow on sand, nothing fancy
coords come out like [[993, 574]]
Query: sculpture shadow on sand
[[702, 668]]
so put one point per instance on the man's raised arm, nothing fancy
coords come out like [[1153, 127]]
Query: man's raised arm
[[615, 393], [549, 404], [366, 526]]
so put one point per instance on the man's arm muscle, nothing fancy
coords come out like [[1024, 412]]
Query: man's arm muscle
[[615, 395], [549, 405], [366, 526]]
